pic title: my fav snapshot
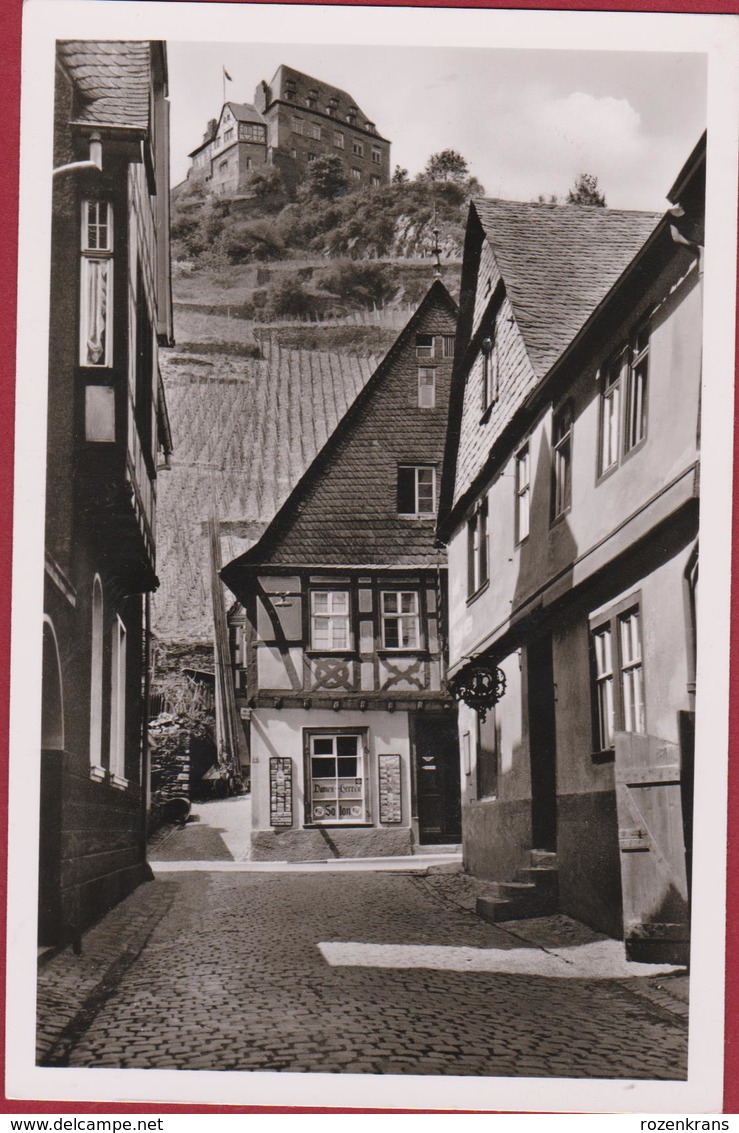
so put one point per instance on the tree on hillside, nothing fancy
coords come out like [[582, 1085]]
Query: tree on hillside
[[447, 165], [400, 175], [324, 178], [585, 191]]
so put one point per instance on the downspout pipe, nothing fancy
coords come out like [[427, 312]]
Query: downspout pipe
[[95, 160]]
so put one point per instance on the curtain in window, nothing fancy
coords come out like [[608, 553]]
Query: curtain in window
[[96, 306]]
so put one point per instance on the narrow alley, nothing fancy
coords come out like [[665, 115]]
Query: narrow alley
[[341, 967]]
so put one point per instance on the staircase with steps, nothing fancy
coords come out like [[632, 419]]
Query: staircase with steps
[[533, 893]]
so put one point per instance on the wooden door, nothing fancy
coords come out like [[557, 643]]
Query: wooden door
[[437, 780], [652, 849]]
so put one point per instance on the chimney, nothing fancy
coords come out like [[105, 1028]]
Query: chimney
[[262, 96]]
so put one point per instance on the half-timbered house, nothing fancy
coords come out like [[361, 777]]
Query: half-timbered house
[[340, 645]]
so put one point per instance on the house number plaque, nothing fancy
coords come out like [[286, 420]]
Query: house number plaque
[[280, 791], [389, 770]]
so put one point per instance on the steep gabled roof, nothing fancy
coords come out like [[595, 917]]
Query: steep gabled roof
[[557, 263], [324, 93], [112, 80], [244, 430], [245, 112], [266, 549]]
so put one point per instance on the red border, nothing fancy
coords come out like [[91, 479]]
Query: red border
[[10, 101]]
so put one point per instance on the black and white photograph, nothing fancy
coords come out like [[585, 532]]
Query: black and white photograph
[[371, 584]]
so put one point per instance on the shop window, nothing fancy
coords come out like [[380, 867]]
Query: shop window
[[562, 461], [416, 489], [523, 492], [618, 675], [477, 549], [336, 787], [96, 284], [400, 619], [330, 628], [426, 387]]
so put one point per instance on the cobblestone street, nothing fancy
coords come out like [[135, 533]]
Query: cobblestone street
[[364, 972]]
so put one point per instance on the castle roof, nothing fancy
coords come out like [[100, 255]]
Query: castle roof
[[112, 80], [245, 112], [294, 87], [558, 262]]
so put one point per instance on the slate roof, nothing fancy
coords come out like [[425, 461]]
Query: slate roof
[[558, 262], [243, 431], [306, 85], [343, 510], [245, 112], [112, 80]]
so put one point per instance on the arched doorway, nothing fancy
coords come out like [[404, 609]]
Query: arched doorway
[[52, 756]]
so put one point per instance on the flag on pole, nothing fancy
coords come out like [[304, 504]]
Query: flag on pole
[[226, 75]]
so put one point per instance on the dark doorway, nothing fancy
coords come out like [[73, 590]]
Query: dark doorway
[[437, 779], [542, 743]]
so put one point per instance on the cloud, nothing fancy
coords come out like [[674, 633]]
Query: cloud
[[583, 127]]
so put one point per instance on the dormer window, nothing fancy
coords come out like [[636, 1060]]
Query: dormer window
[[370, 128], [96, 284]]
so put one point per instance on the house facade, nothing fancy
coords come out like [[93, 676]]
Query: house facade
[[110, 311], [339, 638], [293, 120], [570, 510]]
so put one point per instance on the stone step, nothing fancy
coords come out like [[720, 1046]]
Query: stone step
[[544, 878], [498, 909], [507, 889], [546, 859]]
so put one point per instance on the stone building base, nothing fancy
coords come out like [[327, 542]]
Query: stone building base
[[329, 842]]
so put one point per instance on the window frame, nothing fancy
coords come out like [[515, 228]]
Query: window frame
[[424, 373], [448, 345], [417, 468], [425, 349], [625, 374], [399, 616], [523, 492], [363, 756], [97, 662], [478, 550], [93, 257], [339, 140], [331, 616], [562, 447], [357, 148], [485, 776], [612, 622]]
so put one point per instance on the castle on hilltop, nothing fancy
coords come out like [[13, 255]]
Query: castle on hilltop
[[292, 121]]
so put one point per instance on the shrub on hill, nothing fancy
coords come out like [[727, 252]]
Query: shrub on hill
[[362, 283]]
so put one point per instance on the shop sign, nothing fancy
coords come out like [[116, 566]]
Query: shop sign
[[390, 798], [280, 791]]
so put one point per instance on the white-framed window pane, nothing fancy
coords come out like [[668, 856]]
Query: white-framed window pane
[[610, 421], [424, 345], [522, 493], [330, 619], [603, 648], [632, 684], [118, 699], [425, 490], [400, 627]]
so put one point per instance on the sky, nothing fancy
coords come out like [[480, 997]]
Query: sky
[[527, 122]]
